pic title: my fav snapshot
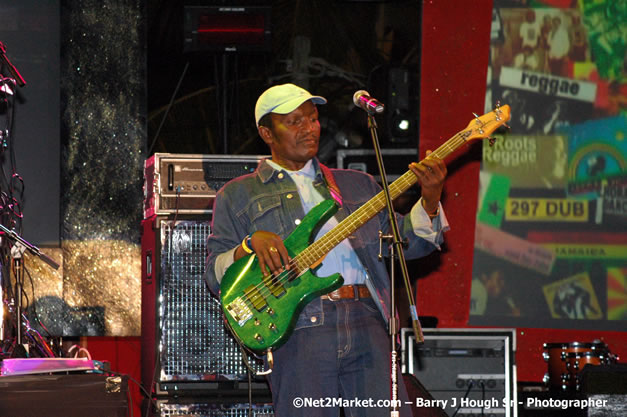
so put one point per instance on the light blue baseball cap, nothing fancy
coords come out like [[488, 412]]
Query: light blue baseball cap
[[283, 99]]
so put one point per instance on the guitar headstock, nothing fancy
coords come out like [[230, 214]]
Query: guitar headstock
[[483, 126]]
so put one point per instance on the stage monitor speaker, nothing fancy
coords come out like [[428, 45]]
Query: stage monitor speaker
[[396, 161], [471, 371]]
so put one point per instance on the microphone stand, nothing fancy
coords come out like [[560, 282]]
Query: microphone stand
[[19, 247], [396, 251], [31, 248]]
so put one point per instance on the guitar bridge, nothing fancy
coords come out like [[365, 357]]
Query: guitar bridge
[[239, 311]]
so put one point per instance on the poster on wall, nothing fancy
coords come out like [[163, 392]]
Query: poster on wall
[[551, 230]]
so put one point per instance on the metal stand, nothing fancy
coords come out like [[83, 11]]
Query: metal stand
[[27, 246], [17, 251], [396, 251], [223, 91], [18, 271]]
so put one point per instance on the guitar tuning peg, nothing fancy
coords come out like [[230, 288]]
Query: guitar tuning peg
[[491, 141], [498, 105], [507, 126], [476, 115]]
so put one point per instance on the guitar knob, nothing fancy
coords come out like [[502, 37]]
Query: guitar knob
[[257, 322], [258, 337], [271, 312], [272, 326]]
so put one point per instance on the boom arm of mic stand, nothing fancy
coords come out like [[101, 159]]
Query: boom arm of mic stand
[[31, 248]]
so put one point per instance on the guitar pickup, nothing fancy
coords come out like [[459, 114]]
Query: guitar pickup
[[239, 311], [253, 295], [271, 282]]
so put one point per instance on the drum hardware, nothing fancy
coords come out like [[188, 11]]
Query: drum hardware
[[566, 360]]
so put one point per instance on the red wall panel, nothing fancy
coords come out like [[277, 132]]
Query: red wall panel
[[455, 43]]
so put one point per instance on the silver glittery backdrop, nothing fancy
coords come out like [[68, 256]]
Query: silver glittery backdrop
[[103, 111]]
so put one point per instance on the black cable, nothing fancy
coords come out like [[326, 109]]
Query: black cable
[[471, 383], [250, 393], [35, 313], [24, 293], [482, 397], [11, 207], [167, 110], [130, 401], [236, 99], [18, 215], [176, 206], [219, 91], [249, 369], [6, 276], [141, 387], [26, 272], [152, 385]]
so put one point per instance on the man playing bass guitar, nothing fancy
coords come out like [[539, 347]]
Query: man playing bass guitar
[[337, 344]]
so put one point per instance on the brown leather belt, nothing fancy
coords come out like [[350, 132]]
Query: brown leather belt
[[354, 292]]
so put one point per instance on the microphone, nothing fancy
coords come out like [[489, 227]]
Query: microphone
[[363, 100]]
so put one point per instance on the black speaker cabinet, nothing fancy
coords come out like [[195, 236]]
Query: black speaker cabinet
[[186, 349], [469, 371], [396, 161], [58, 395]]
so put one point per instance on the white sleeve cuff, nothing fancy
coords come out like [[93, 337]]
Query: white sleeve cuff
[[427, 228], [223, 261]]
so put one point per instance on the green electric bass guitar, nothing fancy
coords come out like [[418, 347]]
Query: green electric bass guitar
[[261, 311]]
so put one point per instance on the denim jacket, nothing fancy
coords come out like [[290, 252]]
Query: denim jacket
[[268, 200]]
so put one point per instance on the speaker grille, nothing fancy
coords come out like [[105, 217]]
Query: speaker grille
[[194, 343]]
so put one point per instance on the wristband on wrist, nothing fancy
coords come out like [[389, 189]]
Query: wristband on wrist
[[433, 215], [246, 245]]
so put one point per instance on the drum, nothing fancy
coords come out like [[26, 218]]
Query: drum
[[566, 360]]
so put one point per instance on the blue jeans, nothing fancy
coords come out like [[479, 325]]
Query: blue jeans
[[347, 356]]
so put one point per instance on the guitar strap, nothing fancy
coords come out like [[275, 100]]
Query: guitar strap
[[331, 184]]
